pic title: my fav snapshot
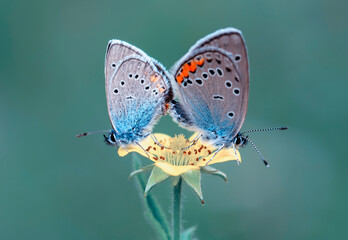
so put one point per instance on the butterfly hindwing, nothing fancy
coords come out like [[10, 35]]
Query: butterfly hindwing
[[212, 88], [232, 41], [137, 90]]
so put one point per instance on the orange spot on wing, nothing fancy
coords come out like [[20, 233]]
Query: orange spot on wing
[[200, 62], [154, 78], [193, 67], [185, 70], [179, 79]]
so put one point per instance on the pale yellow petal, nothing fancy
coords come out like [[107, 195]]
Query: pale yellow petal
[[130, 148], [174, 170], [226, 154], [148, 141]]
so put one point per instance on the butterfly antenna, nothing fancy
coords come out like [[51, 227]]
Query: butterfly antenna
[[89, 133], [257, 150], [157, 142], [266, 129]]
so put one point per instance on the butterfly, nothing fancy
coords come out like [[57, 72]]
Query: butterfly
[[212, 85], [138, 91]]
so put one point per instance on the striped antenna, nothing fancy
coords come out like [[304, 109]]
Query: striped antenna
[[257, 150], [266, 129], [89, 133]]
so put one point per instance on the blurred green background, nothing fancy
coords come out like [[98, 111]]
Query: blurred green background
[[54, 186]]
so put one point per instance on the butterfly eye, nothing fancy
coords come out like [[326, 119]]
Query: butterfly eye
[[112, 138], [238, 141]]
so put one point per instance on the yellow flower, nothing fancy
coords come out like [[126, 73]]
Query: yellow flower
[[178, 158], [174, 159]]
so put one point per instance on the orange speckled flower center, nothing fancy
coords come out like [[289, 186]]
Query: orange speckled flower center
[[176, 152]]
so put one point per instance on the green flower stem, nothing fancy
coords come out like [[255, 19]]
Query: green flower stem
[[177, 210]]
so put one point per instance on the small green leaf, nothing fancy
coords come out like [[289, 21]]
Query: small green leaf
[[156, 176], [141, 170], [188, 233], [193, 179], [153, 210], [214, 171]]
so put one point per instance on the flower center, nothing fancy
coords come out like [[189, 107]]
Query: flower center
[[179, 151]]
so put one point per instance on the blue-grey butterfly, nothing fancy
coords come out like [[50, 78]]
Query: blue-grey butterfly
[[212, 86], [138, 91]]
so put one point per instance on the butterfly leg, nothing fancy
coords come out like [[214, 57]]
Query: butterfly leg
[[196, 138], [157, 142], [148, 156], [235, 153], [122, 146], [193, 142], [216, 152]]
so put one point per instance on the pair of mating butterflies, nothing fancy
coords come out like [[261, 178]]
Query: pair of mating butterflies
[[211, 83]]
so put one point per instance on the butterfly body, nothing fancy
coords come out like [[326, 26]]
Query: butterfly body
[[212, 84], [137, 92]]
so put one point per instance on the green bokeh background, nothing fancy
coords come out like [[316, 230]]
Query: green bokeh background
[[54, 186]]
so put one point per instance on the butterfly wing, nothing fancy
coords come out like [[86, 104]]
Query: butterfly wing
[[137, 90], [213, 89], [232, 41]]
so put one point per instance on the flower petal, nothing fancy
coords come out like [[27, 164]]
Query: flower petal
[[148, 141], [141, 170], [193, 179], [156, 176], [226, 154], [175, 170], [214, 171]]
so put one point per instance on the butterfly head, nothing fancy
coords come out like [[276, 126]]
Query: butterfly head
[[111, 138], [240, 140]]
